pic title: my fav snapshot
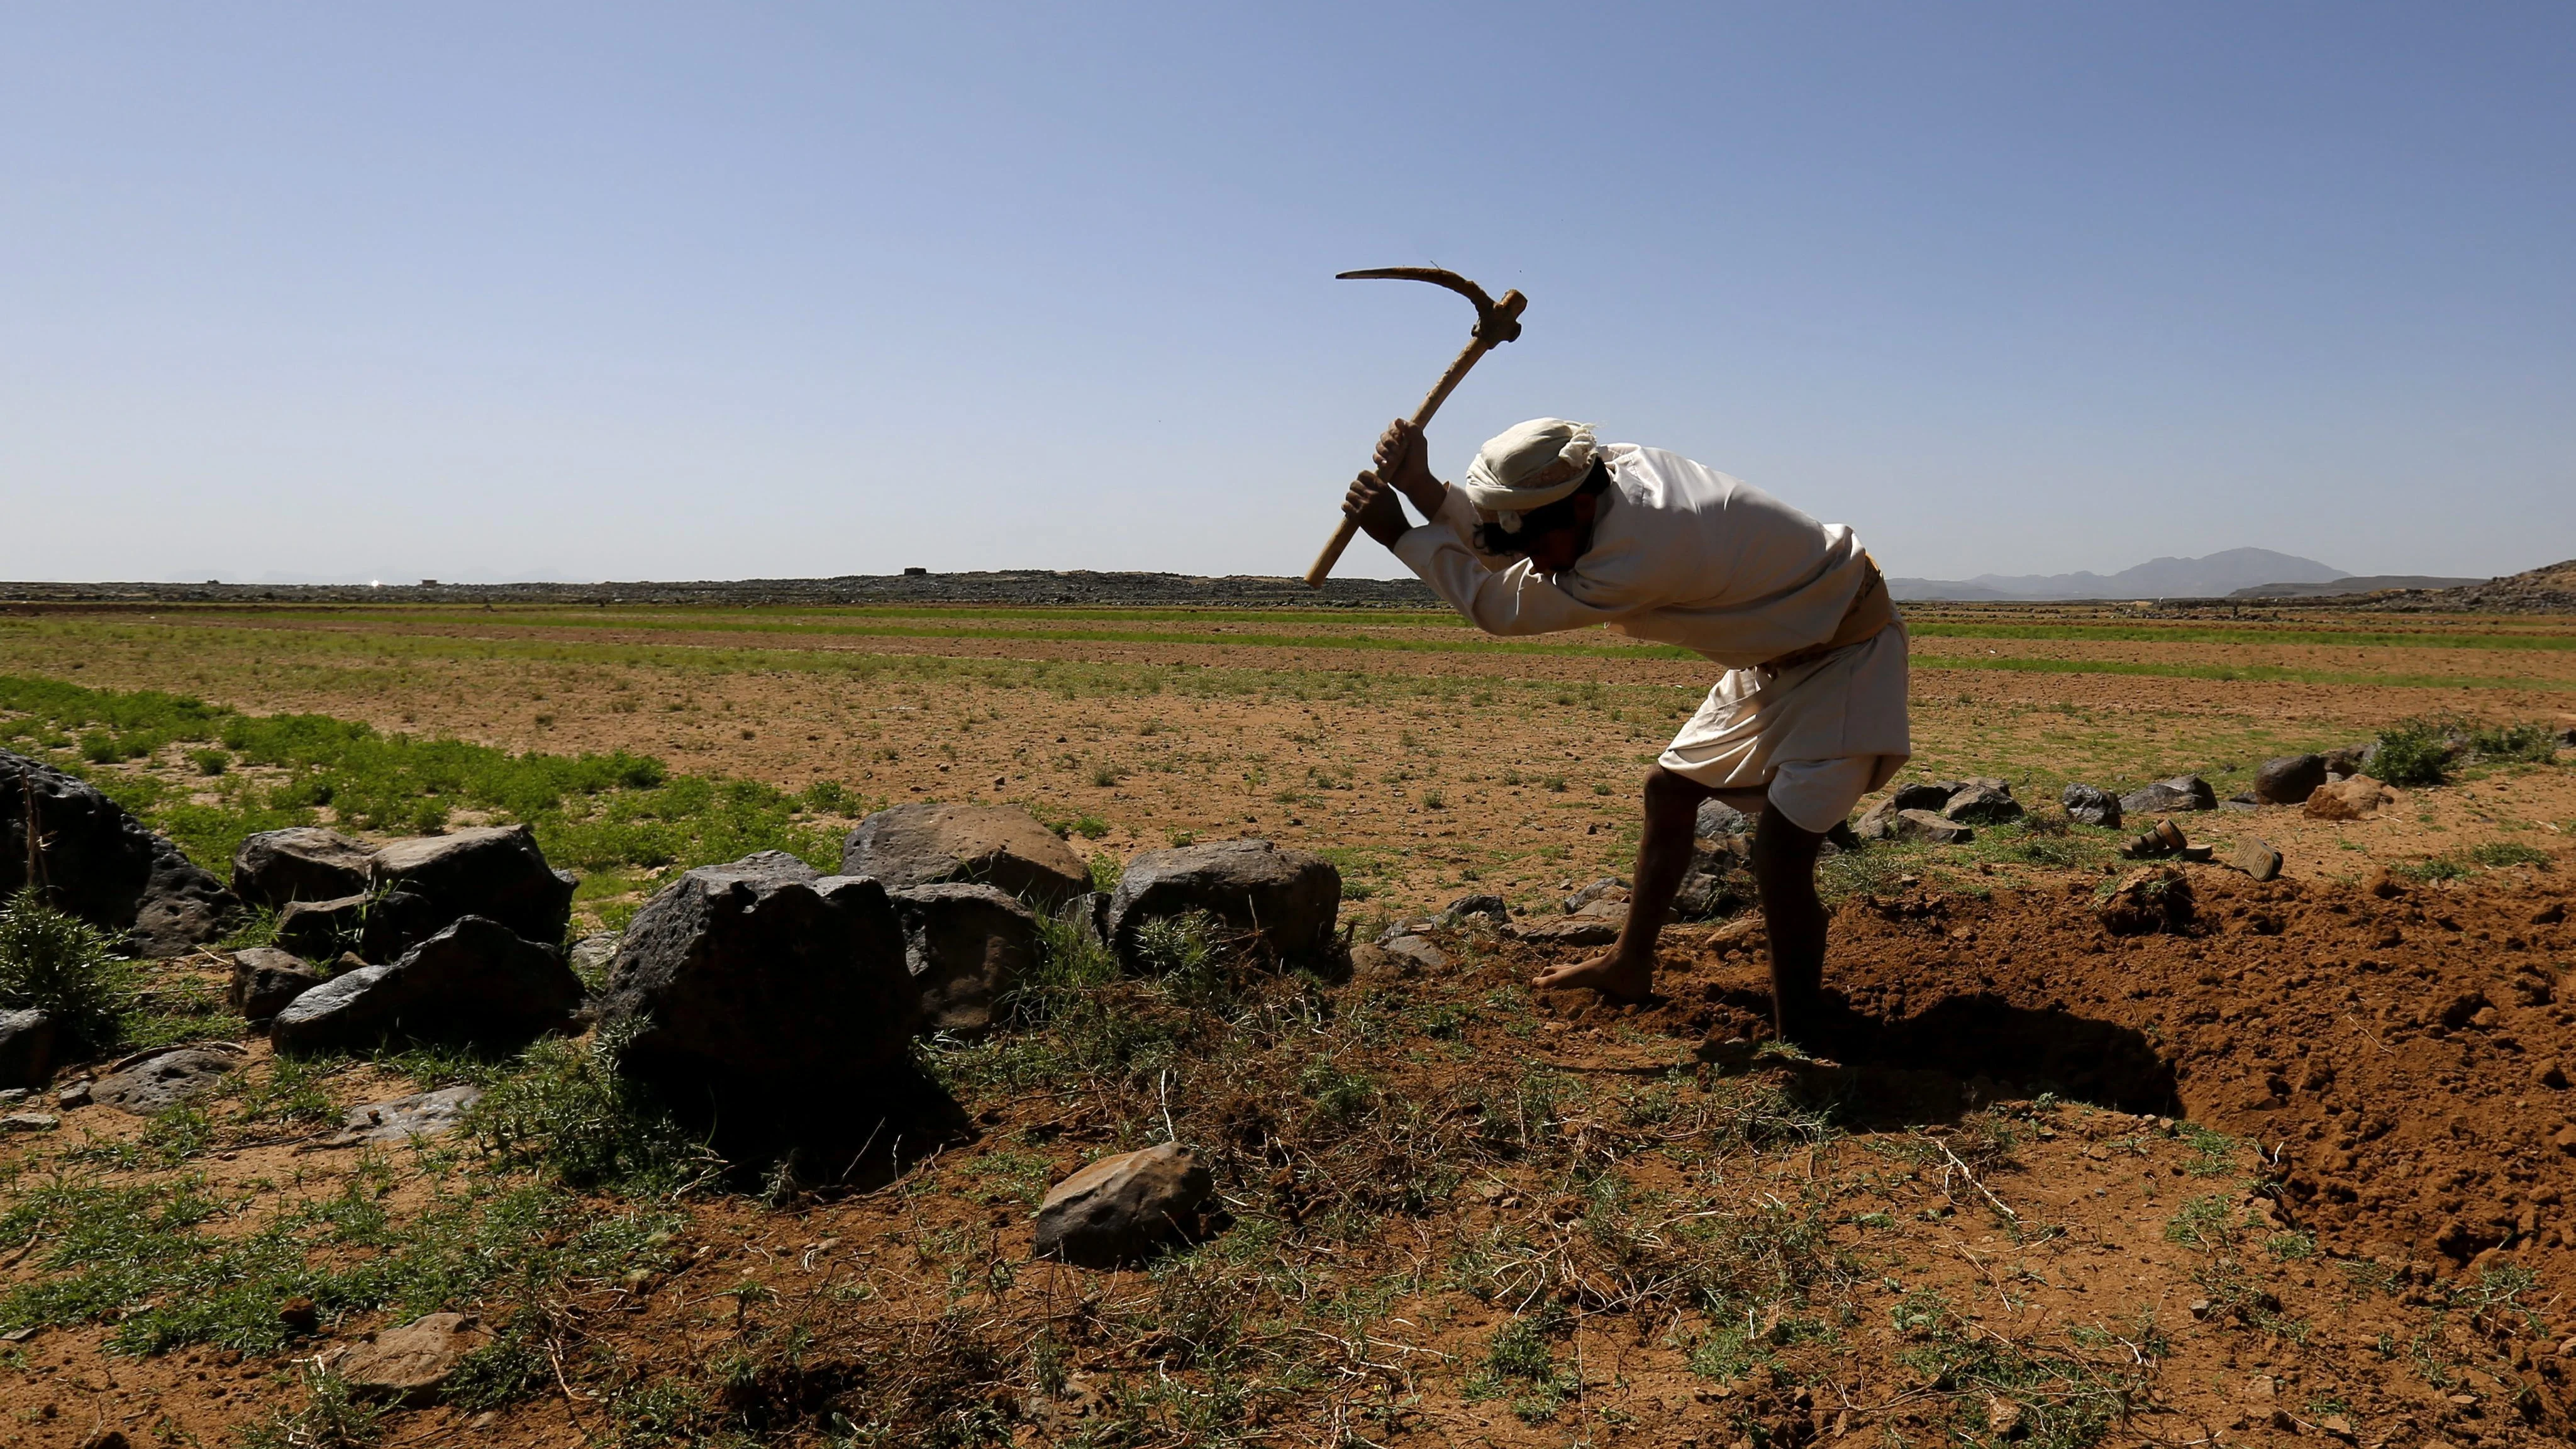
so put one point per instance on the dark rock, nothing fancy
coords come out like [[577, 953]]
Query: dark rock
[[1717, 818], [156, 1081], [1925, 826], [422, 1114], [101, 864], [1921, 795], [1717, 884], [2182, 792], [409, 1365], [1281, 902], [321, 930], [1492, 907], [966, 947], [2289, 780], [994, 845], [1124, 1208], [26, 1048], [265, 980], [302, 864], [476, 982], [761, 978], [2091, 805], [495, 872], [30, 1122], [1982, 802], [2348, 760]]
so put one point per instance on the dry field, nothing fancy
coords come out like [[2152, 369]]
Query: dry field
[[2300, 1172]]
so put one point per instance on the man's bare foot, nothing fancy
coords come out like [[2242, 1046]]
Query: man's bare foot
[[1613, 975]]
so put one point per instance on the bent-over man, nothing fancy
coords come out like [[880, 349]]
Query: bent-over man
[[1552, 530]]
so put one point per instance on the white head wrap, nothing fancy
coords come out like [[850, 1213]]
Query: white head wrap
[[1530, 465]]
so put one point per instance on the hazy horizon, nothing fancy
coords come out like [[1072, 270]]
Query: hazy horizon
[[781, 292]]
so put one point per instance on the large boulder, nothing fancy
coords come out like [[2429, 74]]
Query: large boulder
[[2091, 805], [2289, 780], [475, 983], [994, 845], [2182, 792], [966, 946], [102, 865], [1924, 795], [1281, 902], [26, 1049], [758, 978], [1716, 819], [429, 882], [305, 863], [265, 979], [1124, 1208]]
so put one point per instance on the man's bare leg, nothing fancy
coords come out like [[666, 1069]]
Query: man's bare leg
[[1784, 872], [1627, 971]]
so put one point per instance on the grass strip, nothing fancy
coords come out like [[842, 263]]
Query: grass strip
[[592, 811], [2250, 673], [2147, 634]]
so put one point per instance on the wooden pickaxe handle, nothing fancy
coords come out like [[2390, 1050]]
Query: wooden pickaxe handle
[[1493, 329]]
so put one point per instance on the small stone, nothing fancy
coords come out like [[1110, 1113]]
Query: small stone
[[408, 1364], [75, 1095], [2255, 858], [2004, 1418], [591, 956], [1983, 802], [2200, 1308], [1717, 818], [2551, 1075], [2182, 792], [299, 1315], [1574, 931], [2336, 1426], [2091, 805], [1491, 907], [265, 979], [1932, 829], [157, 1081], [12, 1096], [1604, 887], [26, 1047], [1124, 1207], [1419, 952], [30, 1122], [423, 1114]]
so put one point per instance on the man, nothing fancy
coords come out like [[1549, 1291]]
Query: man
[[1552, 530]]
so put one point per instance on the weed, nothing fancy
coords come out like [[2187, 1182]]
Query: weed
[[570, 1114], [59, 964]]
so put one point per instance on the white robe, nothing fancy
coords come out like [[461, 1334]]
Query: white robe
[[1683, 554]]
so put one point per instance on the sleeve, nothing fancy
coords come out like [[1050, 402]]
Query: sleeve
[[1516, 599]]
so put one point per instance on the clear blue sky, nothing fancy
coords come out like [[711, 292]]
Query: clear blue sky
[[659, 291]]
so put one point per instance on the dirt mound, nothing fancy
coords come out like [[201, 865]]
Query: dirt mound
[[2400, 1053]]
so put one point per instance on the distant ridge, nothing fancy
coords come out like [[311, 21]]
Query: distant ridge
[[998, 586], [2356, 584], [2215, 576]]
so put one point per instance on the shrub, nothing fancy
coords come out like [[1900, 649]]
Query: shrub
[[2515, 742], [62, 965], [2412, 752]]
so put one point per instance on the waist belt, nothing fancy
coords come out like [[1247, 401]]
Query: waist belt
[[1871, 610]]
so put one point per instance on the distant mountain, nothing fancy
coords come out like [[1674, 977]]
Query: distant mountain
[[2356, 584], [2215, 576]]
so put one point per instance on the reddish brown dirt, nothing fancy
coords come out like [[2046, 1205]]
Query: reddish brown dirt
[[2401, 1052]]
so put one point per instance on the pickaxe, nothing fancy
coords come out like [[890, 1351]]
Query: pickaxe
[[1496, 324]]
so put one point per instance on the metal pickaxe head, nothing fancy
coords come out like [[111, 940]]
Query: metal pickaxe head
[[1496, 322]]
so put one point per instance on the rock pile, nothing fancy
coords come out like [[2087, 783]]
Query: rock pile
[[1943, 812]]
